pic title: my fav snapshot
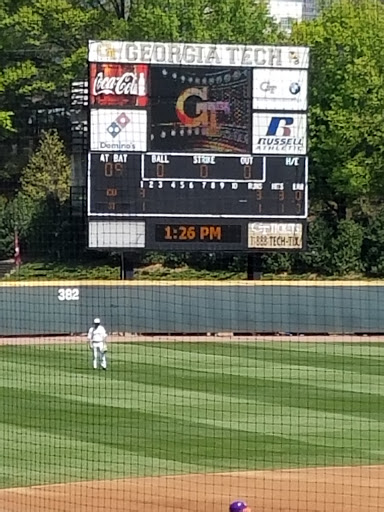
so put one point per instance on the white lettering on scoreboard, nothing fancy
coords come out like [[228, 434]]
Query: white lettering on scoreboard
[[275, 235], [199, 54]]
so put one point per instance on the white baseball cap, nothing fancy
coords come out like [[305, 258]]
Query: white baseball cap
[[96, 321]]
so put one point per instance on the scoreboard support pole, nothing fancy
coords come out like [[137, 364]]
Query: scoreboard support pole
[[254, 270], [127, 266]]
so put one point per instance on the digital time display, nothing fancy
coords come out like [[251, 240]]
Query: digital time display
[[227, 234]]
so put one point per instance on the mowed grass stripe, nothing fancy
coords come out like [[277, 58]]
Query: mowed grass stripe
[[374, 384], [46, 458], [237, 414], [277, 390], [187, 411], [208, 446], [351, 348], [359, 358], [243, 359], [325, 395], [249, 350], [305, 428]]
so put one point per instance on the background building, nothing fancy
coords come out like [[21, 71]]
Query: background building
[[286, 12]]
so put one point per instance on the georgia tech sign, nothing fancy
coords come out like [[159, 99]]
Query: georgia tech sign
[[206, 111], [199, 54]]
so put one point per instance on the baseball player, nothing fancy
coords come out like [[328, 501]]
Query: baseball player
[[239, 506], [97, 338]]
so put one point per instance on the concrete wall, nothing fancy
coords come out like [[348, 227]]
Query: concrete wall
[[193, 307]]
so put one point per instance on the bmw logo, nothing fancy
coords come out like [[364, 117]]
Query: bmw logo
[[294, 88]]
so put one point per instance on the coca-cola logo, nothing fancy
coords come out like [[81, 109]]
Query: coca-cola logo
[[128, 84]]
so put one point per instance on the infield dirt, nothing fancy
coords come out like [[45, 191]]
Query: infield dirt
[[336, 489]]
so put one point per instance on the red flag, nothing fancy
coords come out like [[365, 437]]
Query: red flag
[[17, 255]]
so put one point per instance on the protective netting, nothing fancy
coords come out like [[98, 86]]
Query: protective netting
[[191, 239]]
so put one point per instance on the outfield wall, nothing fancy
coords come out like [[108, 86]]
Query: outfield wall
[[196, 307]]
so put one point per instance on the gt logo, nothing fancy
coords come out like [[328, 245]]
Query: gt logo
[[205, 112], [280, 122], [267, 87]]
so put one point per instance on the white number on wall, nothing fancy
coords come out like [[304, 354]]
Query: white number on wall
[[68, 294]]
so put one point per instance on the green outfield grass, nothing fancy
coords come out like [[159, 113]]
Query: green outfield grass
[[187, 407]]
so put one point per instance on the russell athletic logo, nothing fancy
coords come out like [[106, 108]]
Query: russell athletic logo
[[280, 122], [282, 135], [117, 126]]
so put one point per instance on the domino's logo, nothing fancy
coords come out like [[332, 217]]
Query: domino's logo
[[118, 125], [118, 130]]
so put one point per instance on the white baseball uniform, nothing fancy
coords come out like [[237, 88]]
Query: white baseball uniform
[[97, 337]]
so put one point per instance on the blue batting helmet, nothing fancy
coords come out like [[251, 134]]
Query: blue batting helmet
[[237, 506]]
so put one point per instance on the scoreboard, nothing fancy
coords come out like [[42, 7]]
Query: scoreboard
[[197, 147], [169, 185]]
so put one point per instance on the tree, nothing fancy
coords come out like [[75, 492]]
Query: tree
[[120, 7], [237, 21], [213, 21], [43, 48], [346, 122], [48, 172]]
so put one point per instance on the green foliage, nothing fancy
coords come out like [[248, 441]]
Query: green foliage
[[42, 39], [46, 270], [52, 233], [43, 48], [48, 172], [158, 272], [6, 236], [6, 122], [277, 263], [373, 246], [319, 256], [40, 210], [121, 8], [20, 213], [215, 21], [14, 214], [346, 247], [346, 97]]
